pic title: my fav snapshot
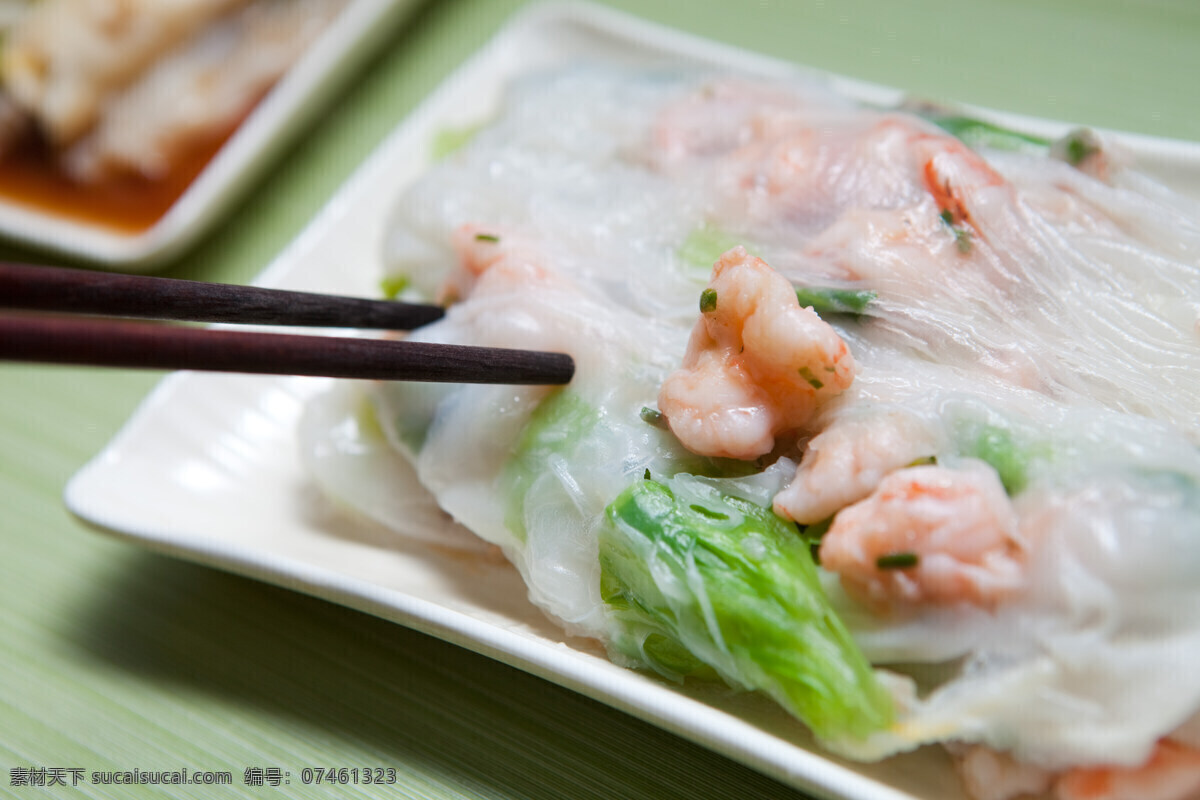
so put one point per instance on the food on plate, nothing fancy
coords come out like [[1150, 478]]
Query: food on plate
[[890, 414], [108, 110]]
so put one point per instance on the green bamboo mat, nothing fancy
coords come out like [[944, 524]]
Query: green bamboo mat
[[114, 659]]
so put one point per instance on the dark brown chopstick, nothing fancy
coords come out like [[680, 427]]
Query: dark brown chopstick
[[80, 291], [151, 346]]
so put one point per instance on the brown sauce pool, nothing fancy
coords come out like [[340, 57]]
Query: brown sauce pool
[[126, 204]]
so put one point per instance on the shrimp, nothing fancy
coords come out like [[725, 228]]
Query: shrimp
[[809, 170], [1171, 773], [479, 249], [779, 173], [928, 535], [845, 462], [991, 774], [953, 174], [757, 364], [514, 295], [769, 148], [719, 117], [919, 188]]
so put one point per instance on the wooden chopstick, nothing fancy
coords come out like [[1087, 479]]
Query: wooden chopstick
[[152, 346], [127, 344], [80, 291]]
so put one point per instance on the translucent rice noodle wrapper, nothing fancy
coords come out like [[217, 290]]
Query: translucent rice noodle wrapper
[[1014, 319], [347, 454]]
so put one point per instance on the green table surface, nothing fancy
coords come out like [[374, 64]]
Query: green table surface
[[115, 659]]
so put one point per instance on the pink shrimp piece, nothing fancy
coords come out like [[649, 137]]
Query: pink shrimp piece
[[907, 158], [757, 364], [716, 119], [778, 174], [805, 166], [895, 160], [953, 172], [908, 210], [1171, 773], [479, 249], [989, 774], [845, 462], [928, 535]]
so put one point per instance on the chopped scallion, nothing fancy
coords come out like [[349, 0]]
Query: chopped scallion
[[1078, 147], [962, 234], [962, 239], [653, 416], [897, 561], [813, 381]]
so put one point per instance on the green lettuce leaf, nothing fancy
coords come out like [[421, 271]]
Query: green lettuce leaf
[[698, 581], [558, 427]]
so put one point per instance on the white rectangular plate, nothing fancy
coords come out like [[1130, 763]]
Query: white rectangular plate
[[351, 38], [208, 469]]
